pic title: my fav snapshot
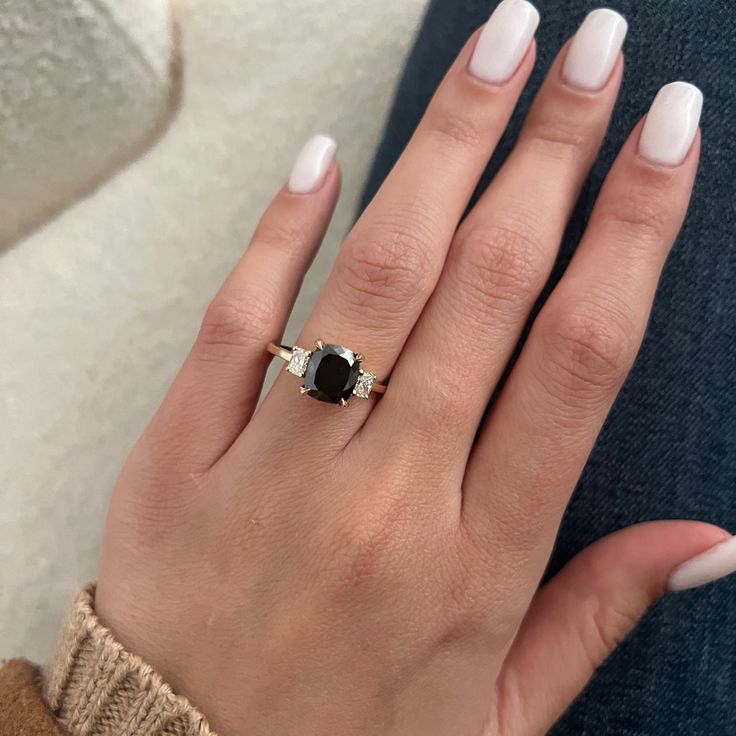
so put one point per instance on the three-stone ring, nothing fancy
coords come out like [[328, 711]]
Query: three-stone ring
[[331, 373]]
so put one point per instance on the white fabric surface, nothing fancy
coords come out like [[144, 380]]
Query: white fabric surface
[[83, 85], [98, 307]]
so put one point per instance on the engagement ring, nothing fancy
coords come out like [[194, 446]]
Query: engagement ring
[[331, 373]]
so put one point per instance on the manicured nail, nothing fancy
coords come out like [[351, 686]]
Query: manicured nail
[[594, 50], [312, 164], [504, 41], [671, 124], [713, 564]]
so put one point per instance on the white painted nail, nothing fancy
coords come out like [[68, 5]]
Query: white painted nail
[[504, 41], [312, 164], [713, 564], [594, 49], [671, 124]]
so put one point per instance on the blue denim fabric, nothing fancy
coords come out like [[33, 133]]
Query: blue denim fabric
[[668, 449]]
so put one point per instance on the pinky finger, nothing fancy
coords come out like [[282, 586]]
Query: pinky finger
[[580, 616], [215, 393]]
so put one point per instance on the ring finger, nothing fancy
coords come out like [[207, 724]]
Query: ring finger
[[392, 259]]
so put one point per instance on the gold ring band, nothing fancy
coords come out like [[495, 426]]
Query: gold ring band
[[280, 351], [331, 373]]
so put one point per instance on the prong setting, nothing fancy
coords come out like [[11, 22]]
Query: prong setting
[[331, 373]]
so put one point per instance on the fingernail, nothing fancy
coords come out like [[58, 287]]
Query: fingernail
[[594, 49], [713, 564], [504, 41], [671, 124], [312, 164]]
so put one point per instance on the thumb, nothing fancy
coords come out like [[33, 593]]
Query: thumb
[[580, 616]]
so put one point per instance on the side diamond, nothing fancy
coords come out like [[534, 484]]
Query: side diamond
[[364, 384], [298, 362]]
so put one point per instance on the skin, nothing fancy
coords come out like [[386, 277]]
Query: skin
[[303, 569]]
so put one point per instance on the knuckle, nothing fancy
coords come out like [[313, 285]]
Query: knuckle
[[382, 266], [640, 214], [362, 552], [459, 131], [500, 264], [466, 596], [283, 236], [587, 349], [235, 323], [560, 138], [608, 625], [563, 124]]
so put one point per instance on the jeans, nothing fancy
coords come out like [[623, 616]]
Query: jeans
[[668, 449]]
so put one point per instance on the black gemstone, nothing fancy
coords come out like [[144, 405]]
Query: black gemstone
[[331, 374]]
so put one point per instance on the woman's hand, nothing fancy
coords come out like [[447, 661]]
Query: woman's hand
[[305, 569]]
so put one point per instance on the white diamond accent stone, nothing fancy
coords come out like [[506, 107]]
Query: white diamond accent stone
[[364, 384], [298, 361]]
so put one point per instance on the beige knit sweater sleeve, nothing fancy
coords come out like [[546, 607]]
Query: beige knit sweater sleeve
[[94, 687]]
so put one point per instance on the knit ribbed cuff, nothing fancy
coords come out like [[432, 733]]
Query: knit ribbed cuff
[[94, 686]]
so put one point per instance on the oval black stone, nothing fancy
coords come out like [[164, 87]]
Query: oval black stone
[[331, 374]]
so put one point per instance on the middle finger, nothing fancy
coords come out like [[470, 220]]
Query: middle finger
[[503, 252]]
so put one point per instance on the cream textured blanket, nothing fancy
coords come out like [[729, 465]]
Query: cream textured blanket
[[83, 85], [98, 307]]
